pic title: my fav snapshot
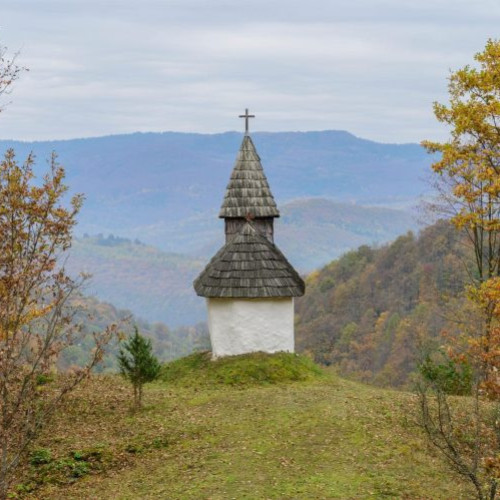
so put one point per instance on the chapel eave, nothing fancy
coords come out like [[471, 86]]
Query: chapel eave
[[249, 266]]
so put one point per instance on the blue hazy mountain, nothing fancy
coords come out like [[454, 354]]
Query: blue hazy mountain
[[166, 188]]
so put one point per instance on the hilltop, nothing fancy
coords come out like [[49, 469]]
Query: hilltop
[[320, 438], [369, 313]]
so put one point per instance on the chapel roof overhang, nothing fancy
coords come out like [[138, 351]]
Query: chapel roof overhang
[[248, 192], [249, 266]]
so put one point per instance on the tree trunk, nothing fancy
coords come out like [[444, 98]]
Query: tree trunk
[[3, 488], [493, 490], [3, 473], [136, 396]]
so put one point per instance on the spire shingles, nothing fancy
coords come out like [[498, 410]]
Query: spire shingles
[[248, 192]]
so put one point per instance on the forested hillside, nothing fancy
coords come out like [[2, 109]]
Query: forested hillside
[[331, 229], [373, 312], [154, 285]]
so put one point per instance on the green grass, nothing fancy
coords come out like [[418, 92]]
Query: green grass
[[199, 370], [322, 438]]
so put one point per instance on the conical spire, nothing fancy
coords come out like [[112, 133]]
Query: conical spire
[[248, 193]]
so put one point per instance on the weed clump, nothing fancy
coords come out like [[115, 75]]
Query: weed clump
[[40, 456], [46, 469]]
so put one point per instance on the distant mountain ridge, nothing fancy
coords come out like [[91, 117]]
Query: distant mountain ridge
[[163, 187]]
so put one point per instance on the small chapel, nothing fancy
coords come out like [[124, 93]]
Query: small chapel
[[249, 284]]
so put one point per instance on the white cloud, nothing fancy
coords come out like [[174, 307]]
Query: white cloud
[[371, 67]]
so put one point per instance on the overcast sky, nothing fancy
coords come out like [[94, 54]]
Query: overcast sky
[[372, 67]]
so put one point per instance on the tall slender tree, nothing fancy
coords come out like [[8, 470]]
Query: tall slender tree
[[138, 364], [468, 180], [36, 318]]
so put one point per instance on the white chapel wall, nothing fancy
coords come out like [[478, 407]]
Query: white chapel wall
[[238, 326]]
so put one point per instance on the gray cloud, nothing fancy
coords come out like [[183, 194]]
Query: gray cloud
[[372, 68]]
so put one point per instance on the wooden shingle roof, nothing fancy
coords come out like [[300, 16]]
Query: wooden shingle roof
[[248, 191], [249, 266]]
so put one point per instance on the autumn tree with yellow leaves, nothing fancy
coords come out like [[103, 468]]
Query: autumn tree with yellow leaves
[[468, 171], [467, 432], [36, 319]]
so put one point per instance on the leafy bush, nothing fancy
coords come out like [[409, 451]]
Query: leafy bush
[[446, 374], [43, 379], [47, 469], [79, 469]]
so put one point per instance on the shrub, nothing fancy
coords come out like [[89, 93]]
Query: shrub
[[40, 456], [446, 374]]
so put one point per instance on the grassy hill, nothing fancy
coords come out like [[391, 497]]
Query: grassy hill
[[321, 438]]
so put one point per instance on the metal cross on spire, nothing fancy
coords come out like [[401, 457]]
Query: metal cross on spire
[[246, 116]]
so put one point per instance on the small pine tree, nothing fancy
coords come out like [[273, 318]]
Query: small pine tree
[[138, 364]]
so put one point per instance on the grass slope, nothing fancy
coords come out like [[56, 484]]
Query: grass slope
[[258, 368], [324, 438]]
